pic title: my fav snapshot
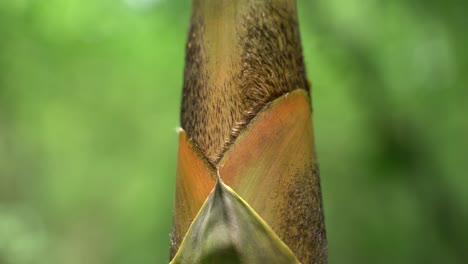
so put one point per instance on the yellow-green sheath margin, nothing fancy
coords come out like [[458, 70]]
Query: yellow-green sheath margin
[[228, 230]]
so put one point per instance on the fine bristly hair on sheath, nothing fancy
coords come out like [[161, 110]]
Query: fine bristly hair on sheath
[[269, 64]]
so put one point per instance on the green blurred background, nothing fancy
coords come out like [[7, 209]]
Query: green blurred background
[[89, 104]]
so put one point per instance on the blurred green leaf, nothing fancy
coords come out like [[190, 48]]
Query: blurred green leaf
[[89, 100]]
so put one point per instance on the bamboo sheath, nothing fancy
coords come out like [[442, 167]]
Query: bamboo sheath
[[246, 128]]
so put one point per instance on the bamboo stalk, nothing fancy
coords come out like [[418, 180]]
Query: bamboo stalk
[[246, 118]]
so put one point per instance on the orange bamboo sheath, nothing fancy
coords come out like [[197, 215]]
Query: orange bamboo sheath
[[194, 181], [272, 166]]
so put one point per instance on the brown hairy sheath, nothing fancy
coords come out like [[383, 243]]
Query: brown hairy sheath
[[240, 56]]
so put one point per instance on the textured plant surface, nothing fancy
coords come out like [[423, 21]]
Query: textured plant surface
[[247, 139], [273, 211]]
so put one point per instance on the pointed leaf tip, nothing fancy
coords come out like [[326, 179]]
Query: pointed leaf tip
[[227, 230]]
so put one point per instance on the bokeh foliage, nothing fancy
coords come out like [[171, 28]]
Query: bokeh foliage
[[89, 102]]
